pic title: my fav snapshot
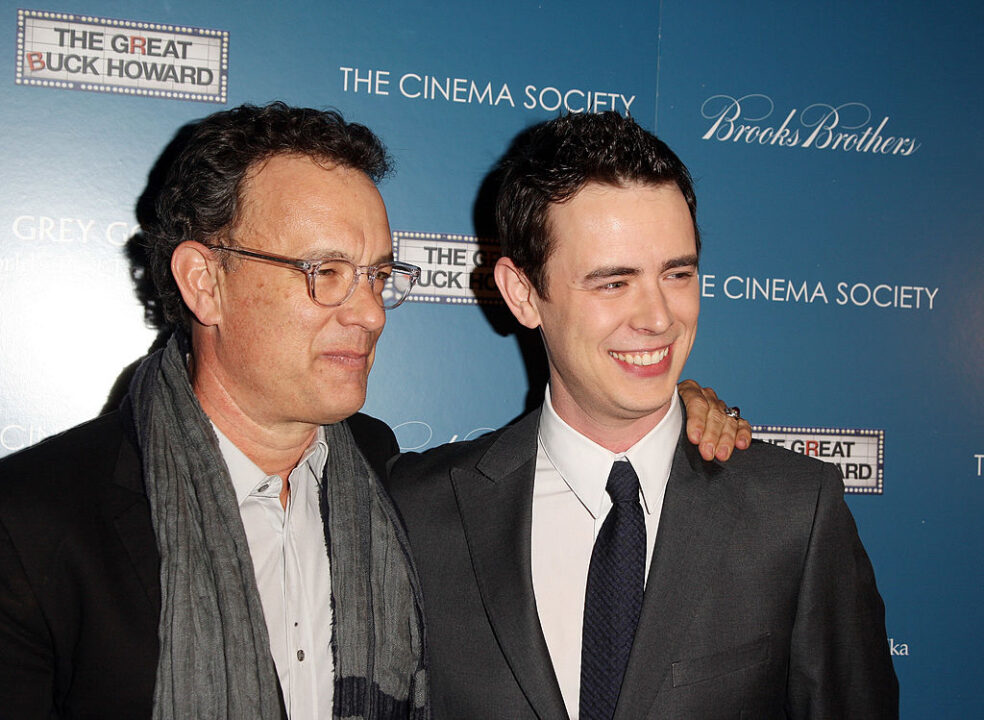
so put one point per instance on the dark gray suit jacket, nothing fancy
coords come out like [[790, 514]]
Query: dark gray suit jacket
[[760, 601], [79, 572]]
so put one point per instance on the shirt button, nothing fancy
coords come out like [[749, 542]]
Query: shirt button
[[300, 655], [263, 487]]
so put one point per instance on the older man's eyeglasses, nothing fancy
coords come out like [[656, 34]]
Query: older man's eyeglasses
[[332, 281]]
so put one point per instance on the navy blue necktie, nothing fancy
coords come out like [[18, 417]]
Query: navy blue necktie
[[613, 600]]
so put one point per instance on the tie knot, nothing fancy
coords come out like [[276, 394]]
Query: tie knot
[[623, 483]]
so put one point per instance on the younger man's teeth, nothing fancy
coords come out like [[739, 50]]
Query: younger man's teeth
[[641, 359]]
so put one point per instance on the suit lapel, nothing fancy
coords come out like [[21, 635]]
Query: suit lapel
[[495, 504], [696, 524]]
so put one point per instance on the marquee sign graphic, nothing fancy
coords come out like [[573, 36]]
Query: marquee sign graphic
[[454, 268], [78, 52], [860, 454]]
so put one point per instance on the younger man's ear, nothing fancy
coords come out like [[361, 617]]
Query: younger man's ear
[[196, 272], [518, 292]]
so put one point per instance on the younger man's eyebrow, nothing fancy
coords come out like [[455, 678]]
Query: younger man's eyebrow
[[610, 271], [682, 261], [624, 271]]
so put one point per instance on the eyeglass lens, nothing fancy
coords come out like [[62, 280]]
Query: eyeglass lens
[[335, 278]]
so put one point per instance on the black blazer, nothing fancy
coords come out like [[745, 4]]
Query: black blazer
[[79, 572], [760, 601]]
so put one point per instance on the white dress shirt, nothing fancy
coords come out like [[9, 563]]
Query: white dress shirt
[[569, 506], [293, 573]]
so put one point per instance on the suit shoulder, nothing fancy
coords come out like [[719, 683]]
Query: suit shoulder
[[77, 450], [375, 440], [363, 425], [772, 467], [766, 454], [61, 470], [442, 457]]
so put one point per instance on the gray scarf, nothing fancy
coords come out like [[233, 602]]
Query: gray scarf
[[215, 660]]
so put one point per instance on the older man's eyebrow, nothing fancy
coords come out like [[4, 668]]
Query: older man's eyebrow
[[331, 254], [386, 257], [325, 251]]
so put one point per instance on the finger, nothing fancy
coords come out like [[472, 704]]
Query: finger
[[697, 408], [727, 439], [743, 438], [736, 433], [719, 429]]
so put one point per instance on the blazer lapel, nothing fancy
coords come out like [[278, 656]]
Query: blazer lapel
[[696, 523], [496, 510]]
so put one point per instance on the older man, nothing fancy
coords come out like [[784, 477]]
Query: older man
[[586, 562], [220, 546], [200, 513]]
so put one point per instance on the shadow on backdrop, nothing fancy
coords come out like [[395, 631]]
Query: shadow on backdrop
[[136, 254], [497, 314]]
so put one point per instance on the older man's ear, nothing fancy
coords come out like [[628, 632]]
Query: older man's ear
[[195, 273], [709, 426]]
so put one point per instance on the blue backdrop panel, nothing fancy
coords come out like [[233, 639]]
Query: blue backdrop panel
[[836, 158]]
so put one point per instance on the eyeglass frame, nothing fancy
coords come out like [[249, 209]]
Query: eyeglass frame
[[310, 269]]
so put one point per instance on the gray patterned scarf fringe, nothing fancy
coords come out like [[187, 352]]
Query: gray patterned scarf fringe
[[215, 660]]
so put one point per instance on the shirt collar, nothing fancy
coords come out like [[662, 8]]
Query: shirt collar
[[584, 465], [247, 477]]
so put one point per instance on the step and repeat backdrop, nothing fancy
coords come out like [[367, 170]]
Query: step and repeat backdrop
[[837, 154]]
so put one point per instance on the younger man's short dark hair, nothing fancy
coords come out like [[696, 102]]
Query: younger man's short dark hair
[[554, 160]]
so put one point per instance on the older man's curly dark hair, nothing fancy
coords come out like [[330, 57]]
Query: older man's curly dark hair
[[201, 196]]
